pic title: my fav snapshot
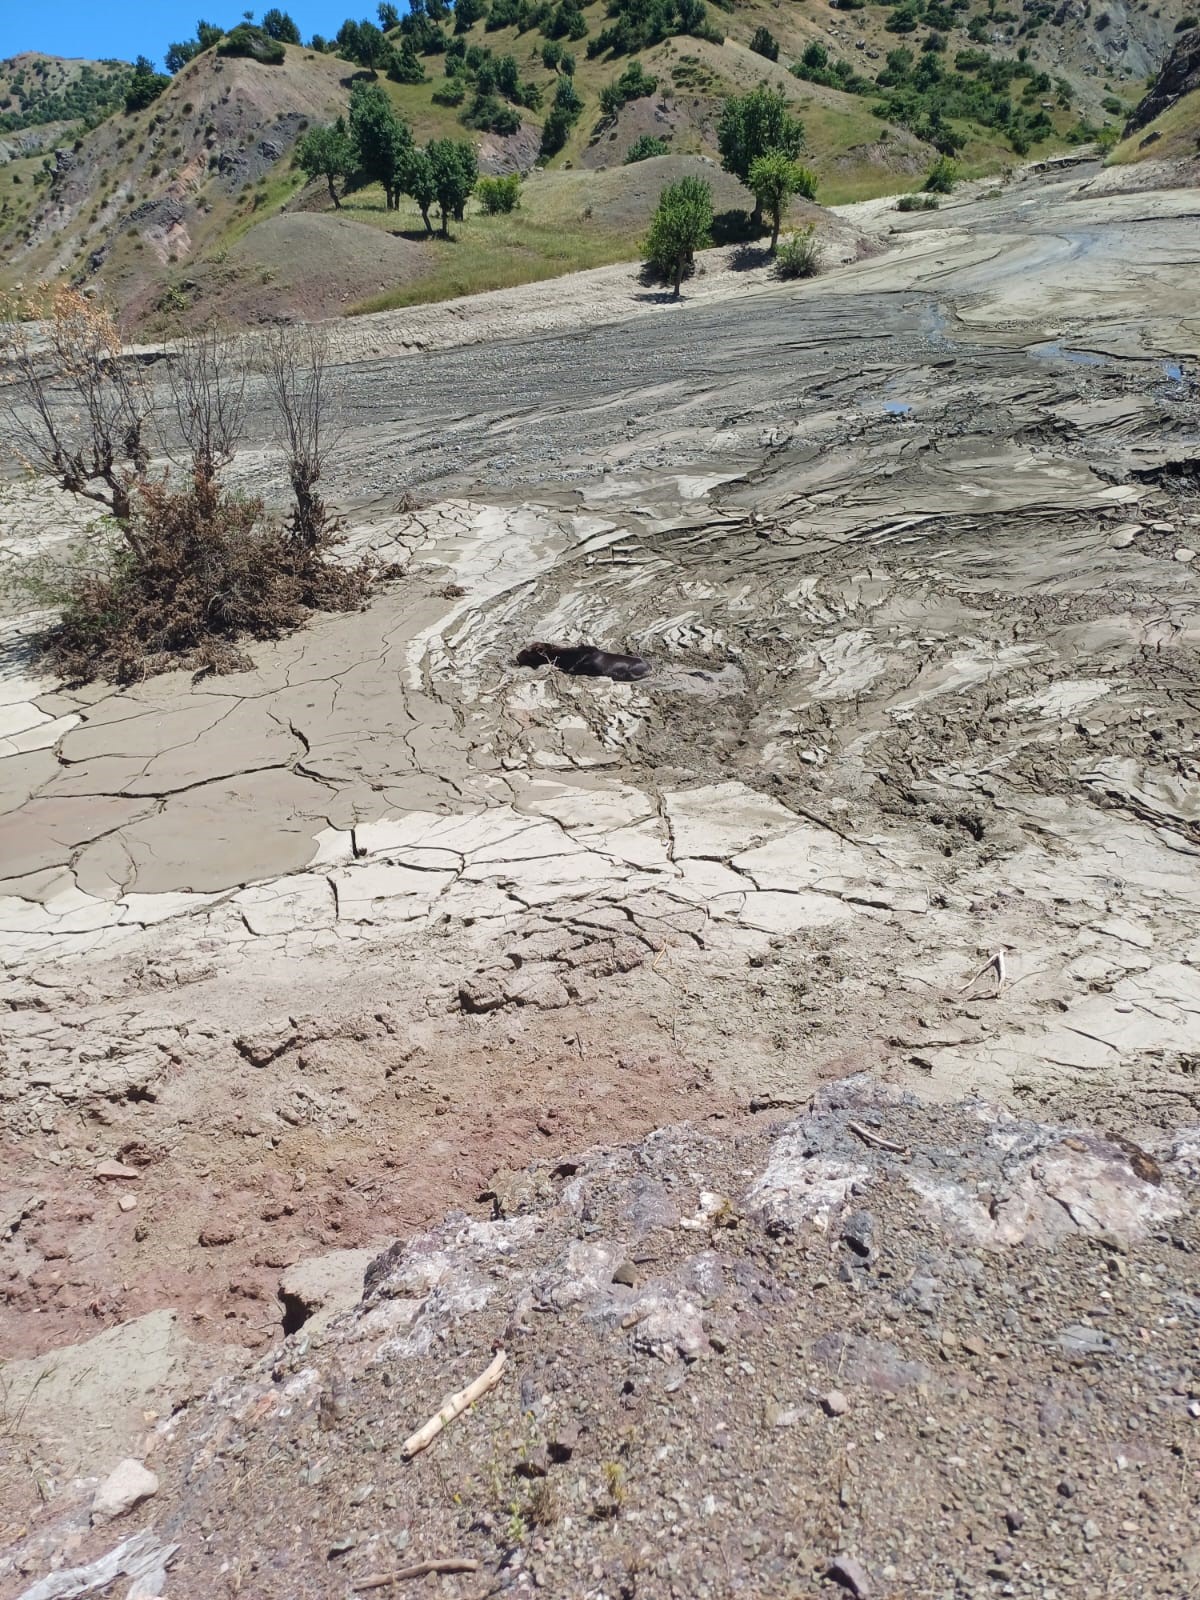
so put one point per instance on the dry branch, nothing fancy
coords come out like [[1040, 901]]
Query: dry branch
[[452, 1406], [380, 1580], [868, 1137], [994, 963]]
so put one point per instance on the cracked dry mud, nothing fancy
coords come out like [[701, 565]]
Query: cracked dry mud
[[312, 951]]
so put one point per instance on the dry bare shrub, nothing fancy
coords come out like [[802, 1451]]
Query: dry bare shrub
[[93, 441], [296, 364], [178, 573], [207, 374]]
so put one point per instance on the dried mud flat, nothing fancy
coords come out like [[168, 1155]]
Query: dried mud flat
[[311, 953]]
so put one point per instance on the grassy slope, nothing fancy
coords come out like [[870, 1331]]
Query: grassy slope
[[31, 85], [1178, 130], [568, 219]]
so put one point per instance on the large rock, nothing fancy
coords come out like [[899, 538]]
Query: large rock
[[315, 1291], [1178, 75], [126, 1485]]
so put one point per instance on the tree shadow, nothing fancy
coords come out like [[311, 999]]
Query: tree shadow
[[735, 227], [660, 297], [748, 256]]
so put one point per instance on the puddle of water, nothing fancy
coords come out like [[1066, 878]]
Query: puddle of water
[[1173, 371], [897, 408], [1051, 350]]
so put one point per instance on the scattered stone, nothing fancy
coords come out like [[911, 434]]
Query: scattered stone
[[1185, 554], [116, 1169], [844, 1569], [858, 1231], [626, 1273], [1081, 1341], [973, 1344], [128, 1483], [562, 1441], [1014, 1521], [221, 1233], [835, 1403], [127, 1202]]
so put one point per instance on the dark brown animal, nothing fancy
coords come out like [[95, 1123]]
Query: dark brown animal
[[585, 661]]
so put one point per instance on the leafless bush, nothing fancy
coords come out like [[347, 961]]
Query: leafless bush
[[77, 411], [297, 372], [179, 574], [207, 375]]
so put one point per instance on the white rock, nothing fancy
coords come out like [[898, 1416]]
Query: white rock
[[1185, 553], [127, 1484]]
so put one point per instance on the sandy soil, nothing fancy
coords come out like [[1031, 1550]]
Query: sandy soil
[[311, 951]]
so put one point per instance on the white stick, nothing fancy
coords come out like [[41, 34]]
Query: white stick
[[992, 964], [868, 1137], [452, 1406]]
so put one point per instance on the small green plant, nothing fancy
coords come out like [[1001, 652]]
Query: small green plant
[[645, 147], [499, 196], [942, 176], [615, 1488], [917, 202], [800, 255]]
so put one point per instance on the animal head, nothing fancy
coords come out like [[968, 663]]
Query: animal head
[[538, 654]]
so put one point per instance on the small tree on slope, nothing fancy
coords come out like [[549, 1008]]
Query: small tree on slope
[[681, 226]]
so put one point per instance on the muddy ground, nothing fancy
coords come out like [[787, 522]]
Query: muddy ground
[[312, 952]]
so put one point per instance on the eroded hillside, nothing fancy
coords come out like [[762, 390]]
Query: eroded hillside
[[177, 211]]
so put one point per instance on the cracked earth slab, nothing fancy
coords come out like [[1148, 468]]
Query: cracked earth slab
[[313, 949]]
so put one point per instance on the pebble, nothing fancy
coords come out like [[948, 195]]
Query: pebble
[[127, 1202], [835, 1403], [1185, 553]]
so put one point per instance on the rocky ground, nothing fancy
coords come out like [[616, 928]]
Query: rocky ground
[[304, 956]]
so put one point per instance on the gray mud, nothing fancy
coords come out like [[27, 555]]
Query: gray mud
[[918, 590]]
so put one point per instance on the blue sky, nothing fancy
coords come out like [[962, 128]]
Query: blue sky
[[128, 28]]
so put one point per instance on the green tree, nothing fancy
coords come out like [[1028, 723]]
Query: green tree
[[404, 65], [681, 226], [389, 17], [178, 55], [371, 48], [145, 86], [750, 125], [327, 153], [774, 179], [419, 182], [277, 24], [467, 13], [383, 144], [764, 43], [455, 174]]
